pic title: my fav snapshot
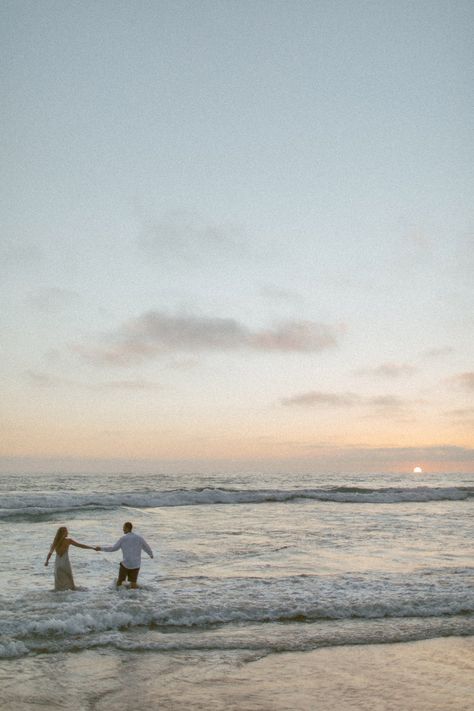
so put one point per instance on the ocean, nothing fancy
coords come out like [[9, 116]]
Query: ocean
[[246, 568]]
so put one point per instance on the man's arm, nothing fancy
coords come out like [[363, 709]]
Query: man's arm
[[147, 548], [111, 549]]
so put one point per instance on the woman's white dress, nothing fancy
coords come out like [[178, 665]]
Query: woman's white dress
[[63, 579]]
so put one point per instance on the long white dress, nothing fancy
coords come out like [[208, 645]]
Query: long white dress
[[63, 579]]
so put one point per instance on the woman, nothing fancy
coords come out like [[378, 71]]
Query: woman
[[63, 579]]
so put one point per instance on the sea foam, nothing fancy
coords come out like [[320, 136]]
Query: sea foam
[[49, 620], [33, 505]]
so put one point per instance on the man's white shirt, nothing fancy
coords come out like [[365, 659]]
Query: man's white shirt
[[132, 545]]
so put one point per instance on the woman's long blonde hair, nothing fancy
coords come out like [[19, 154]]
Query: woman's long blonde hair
[[61, 534]]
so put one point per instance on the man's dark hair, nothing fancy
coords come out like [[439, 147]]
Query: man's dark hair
[[128, 525]]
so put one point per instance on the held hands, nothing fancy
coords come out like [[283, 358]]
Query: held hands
[[97, 548]]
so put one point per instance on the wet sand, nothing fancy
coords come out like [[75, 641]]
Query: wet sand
[[432, 675]]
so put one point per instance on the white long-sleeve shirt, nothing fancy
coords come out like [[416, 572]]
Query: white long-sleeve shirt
[[132, 546]]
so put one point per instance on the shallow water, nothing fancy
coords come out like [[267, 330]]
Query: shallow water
[[243, 566]]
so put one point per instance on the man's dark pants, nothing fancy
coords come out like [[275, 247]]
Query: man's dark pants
[[130, 574]]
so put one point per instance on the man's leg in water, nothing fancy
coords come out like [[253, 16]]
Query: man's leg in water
[[133, 576], [121, 576]]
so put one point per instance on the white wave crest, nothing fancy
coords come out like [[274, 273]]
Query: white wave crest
[[45, 504], [10, 648], [255, 637], [201, 603]]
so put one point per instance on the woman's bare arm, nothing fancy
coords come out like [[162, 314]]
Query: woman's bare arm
[[49, 555], [80, 545]]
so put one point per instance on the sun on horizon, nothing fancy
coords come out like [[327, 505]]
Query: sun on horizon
[[417, 470]]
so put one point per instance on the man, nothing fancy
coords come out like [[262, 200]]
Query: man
[[132, 546]]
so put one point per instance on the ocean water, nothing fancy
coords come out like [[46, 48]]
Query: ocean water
[[244, 567]]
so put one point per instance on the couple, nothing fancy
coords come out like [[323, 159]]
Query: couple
[[130, 543]]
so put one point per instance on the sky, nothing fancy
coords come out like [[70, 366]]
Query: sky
[[237, 236]]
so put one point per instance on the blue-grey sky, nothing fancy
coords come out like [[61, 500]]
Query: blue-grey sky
[[237, 233]]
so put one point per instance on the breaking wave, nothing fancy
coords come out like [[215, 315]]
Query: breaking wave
[[205, 613], [35, 505], [186, 612]]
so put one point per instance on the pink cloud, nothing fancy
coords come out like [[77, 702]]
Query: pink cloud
[[154, 333]]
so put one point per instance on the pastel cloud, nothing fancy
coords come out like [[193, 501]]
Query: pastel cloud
[[315, 398], [42, 380], [136, 384], [154, 333], [389, 370], [386, 401], [308, 457], [294, 336], [465, 381], [46, 380], [437, 352], [279, 295], [187, 236], [461, 415], [436, 453]]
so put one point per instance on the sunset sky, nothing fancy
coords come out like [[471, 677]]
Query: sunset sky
[[237, 236]]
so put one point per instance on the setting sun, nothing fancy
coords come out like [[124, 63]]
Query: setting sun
[[417, 470]]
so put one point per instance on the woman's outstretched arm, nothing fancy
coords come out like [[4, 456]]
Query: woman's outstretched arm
[[81, 545]]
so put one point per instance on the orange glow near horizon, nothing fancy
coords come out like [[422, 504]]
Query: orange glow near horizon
[[209, 445]]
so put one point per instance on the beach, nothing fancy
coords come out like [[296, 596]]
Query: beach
[[432, 675], [319, 594]]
